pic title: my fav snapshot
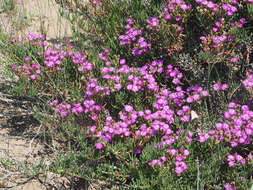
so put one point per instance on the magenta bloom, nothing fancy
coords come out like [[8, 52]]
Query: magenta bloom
[[231, 163], [27, 59], [33, 77], [234, 59], [216, 86], [117, 86], [122, 61], [128, 108], [224, 87], [204, 93], [178, 170], [228, 186], [167, 16], [99, 146], [180, 167]]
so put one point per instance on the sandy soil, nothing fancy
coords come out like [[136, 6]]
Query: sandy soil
[[18, 128], [36, 16]]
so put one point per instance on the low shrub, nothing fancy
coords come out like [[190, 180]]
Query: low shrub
[[164, 103]]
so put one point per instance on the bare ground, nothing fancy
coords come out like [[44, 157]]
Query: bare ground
[[21, 150]]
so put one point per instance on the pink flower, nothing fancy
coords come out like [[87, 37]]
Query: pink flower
[[250, 156], [153, 162], [27, 59], [128, 108], [92, 129], [179, 28], [224, 87], [122, 61], [216, 86], [239, 158], [184, 7], [99, 146], [186, 153], [231, 163], [178, 170], [204, 93], [179, 158], [228, 186], [180, 167], [234, 59], [33, 77], [172, 151], [117, 86], [64, 113], [163, 158], [167, 16], [215, 29], [202, 38], [54, 102]]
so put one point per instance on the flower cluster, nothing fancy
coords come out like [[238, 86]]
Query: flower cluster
[[131, 34], [134, 84], [179, 157], [248, 82], [231, 159], [152, 23], [92, 88], [140, 45], [156, 162], [219, 86], [173, 4], [238, 125], [229, 186], [176, 97], [209, 4], [88, 106], [165, 117], [35, 37], [230, 9], [172, 10], [195, 93], [202, 136], [32, 70], [173, 72], [161, 99], [52, 58], [156, 66], [63, 109], [184, 114], [78, 58]]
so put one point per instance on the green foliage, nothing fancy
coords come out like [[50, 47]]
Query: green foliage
[[127, 158], [7, 5]]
